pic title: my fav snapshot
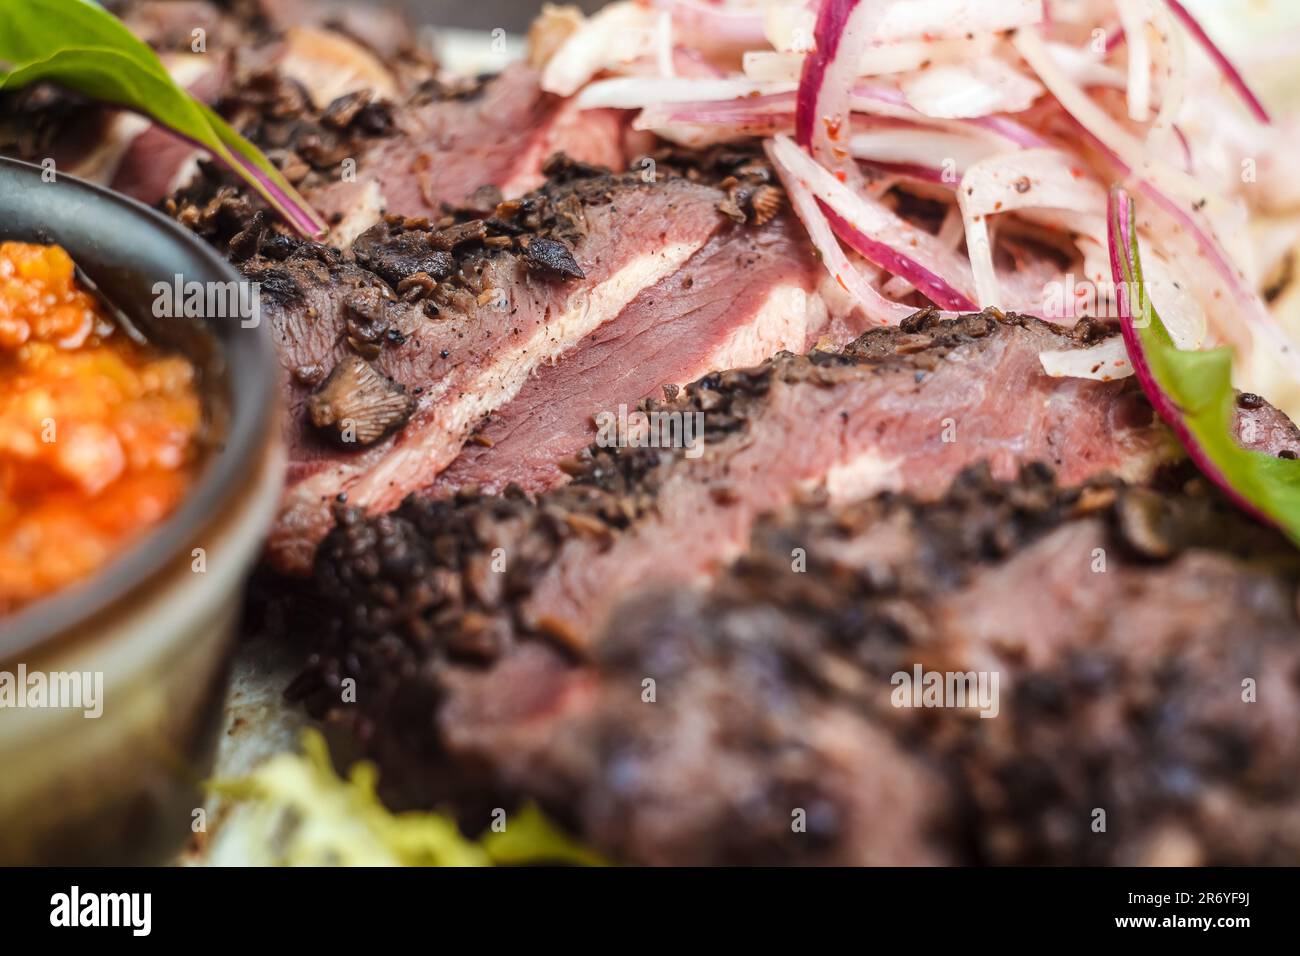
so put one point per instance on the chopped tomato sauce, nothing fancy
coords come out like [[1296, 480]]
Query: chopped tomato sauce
[[97, 431]]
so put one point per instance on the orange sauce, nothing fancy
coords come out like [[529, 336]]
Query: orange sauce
[[97, 432]]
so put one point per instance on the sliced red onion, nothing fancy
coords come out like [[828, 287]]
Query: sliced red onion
[[1010, 130], [757, 112], [877, 308], [892, 261], [1230, 71], [913, 171], [879, 235], [943, 19], [824, 103], [1125, 272], [920, 148], [1100, 124]]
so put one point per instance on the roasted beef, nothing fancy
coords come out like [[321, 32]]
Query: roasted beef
[[470, 577], [459, 315], [1145, 641], [903, 408], [749, 293]]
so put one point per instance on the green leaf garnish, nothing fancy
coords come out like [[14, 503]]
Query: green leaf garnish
[[78, 45], [299, 812], [1192, 391]]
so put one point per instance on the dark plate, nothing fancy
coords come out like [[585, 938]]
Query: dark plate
[[125, 248]]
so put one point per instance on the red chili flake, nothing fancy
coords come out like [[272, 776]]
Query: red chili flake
[[841, 175], [840, 280]]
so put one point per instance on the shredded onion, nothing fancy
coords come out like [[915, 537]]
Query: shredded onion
[[1037, 178], [826, 86], [1139, 58], [1233, 75], [619, 33], [985, 110], [874, 305], [962, 91], [880, 236]]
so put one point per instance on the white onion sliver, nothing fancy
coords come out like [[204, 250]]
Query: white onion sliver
[[968, 90], [947, 19], [1031, 179], [824, 101], [1103, 362], [664, 45], [619, 33], [1035, 178], [770, 66], [950, 152], [1085, 68], [1139, 58], [717, 25], [633, 92], [1171, 63], [789, 26]]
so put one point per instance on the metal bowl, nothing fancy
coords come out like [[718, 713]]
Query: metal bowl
[[157, 623]]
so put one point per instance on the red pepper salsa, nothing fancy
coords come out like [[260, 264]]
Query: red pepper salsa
[[97, 431]]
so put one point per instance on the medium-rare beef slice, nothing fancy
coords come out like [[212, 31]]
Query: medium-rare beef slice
[[748, 294], [446, 145], [459, 313], [1146, 645], [466, 578], [903, 408]]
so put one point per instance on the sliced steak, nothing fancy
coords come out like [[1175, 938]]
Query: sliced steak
[[749, 293], [446, 148], [468, 577], [1160, 688], [459, 323], [903, 408]]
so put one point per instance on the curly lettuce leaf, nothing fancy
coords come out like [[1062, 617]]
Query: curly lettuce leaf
[[299, 812], [78, 45], [1193, 392]]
